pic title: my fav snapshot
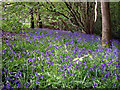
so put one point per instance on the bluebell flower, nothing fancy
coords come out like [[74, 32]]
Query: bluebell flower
[[49, 62], [37, 77], [10, 72], [33, 68], [93, 86], [42, 70], [92, 78], [60, 56], [19, 86], [11, 59], [106, 76], [118, 76], [85, 67], [42, 76], [108, 64], [38, 51], [43, 54], [6, 41], [94, 65], [79, 63], [75, 61], [66, 60], [33, 60], [8, 86], [63, 74], [47, 53], [31, 75], [5, 88], [114, 69], [92, 69], [24, 69], [25, 86], [16, 75], [4, 51], [17, 81], [103, 65], [71, 74], [34, 64], [19, 72], [117, 65], [29, 60]]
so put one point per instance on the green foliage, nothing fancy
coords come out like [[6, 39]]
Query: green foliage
[[52, 12], [115, 22], [14, 15], [11, 25]]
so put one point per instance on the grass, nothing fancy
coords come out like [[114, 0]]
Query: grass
[[57, 59]]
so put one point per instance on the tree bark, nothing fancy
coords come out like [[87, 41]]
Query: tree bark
[[32, 18], [91, 27], [76, 16], [106, 25], [88, 19], [39, 22], [67, 26]]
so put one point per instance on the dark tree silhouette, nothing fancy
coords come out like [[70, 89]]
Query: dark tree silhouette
[[32, 18]]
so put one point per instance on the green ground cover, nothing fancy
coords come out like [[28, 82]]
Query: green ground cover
[[57, 59]]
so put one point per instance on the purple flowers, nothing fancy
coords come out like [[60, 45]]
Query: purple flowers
[[103, 79], [29, 60], [17, 81], [8, 86], [85, 67], [45, 57], [66, 60], [95, 84], [31, 75], [6, 41], [4, 51], [71, 74], [42, 76], [103, 65], [33, 60], [15, 75], [38, 51], [94, 65]]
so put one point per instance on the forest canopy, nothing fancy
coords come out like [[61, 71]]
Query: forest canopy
[[72, 16]]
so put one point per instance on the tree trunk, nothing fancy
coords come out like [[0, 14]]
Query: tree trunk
[[88, 19], [39, 22], [106, 29], [67, 26], [32, 18], [91, 25]]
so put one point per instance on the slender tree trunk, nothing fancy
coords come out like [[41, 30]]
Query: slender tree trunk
[[92, 18], [67, 26], [88, 18], [106, 29], [91, 26], [32, 18], [39, 22]]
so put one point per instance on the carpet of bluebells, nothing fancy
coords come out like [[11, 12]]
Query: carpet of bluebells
[[58, 59]]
